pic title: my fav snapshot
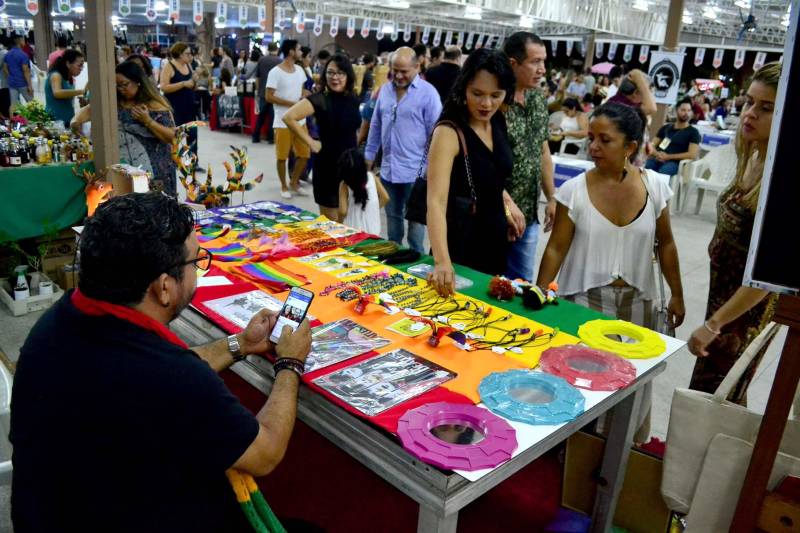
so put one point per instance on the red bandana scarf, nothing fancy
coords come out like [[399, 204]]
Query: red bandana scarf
[[92, 307]]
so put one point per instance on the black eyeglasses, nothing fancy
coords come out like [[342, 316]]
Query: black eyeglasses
[[201, 262]]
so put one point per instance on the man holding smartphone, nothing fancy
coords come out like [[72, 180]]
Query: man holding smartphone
[[116, 423]]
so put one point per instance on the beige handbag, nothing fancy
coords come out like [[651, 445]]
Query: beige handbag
[[697, 417], [721, 481]]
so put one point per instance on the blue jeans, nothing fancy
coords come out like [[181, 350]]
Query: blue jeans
[[522, 254], [396, 216], [670, 168]]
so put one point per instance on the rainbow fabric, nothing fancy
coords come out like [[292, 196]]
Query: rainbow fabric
[[269, 274], [231, 252], [253, 504]]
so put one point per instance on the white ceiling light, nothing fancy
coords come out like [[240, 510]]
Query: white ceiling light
[[161, 5], [79, 9], [388, 28], [398, 4], [114, 20], [526, 21], [710, 13], [473, 12], [687, 19], [218, 25], [641, 5], [744, 4]]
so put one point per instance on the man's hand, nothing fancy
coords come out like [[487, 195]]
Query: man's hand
[[549, 214], [255, 337], [29, 90], [295, 344], [316, 146]]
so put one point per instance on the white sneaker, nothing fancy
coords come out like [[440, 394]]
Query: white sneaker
[[286, 195], [300, 191]]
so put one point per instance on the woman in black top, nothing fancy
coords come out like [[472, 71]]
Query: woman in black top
[[335, 110], [177, 83], [468, 222]]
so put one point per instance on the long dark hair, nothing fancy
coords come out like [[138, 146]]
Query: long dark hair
[[147, 88], [61, 65], [630, 121], [493, 62], [352, 170], [341, 61]]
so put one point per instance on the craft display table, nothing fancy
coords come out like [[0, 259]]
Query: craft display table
[[38, 199], [441, 493], [566, 168]]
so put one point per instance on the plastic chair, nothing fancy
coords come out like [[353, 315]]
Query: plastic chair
[[720, 164], [5, 424]]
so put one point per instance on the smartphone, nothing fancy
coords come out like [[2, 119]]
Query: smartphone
[[293, 311]]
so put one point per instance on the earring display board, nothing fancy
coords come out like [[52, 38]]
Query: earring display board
[[601, 334], [531, 397], [587, 368], [460, 436]]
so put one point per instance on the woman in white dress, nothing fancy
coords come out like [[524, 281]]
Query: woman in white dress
[[361, 194]]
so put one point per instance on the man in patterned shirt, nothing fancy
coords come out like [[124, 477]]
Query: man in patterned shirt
[[527, 118]]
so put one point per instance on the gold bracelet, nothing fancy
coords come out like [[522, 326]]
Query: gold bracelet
[[508, 211]]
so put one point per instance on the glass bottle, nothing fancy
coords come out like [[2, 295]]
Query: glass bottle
[[4, 162], [42, 151], [15, 159]]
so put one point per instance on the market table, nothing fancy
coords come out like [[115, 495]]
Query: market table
[[566, 168], [440, 493], [35, 200]]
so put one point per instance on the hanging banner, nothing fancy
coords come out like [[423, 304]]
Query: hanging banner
[[365, 28], [32, 6], [612, 51], [570, 46], [599, 48], [262, 17], [197, 11], [581, 48], [123, 8], [468, 42], [244, 14], [300, 24], [437, 37], [222, 12], [334, 31], [554, 47], [351, 27], [644, 53], [407, 32], [149, 9], [426, 34], [319, 20], [699, 56], [280, 14], [761, 58], [395, 31], [448, 38], [718, 55], [460, 39], [175, 10], [738, 59], [627, 54], [65, 7], [666, 75], [379, 31]]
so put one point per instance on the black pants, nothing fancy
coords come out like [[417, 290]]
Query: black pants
[[5, 103], [265, 112]]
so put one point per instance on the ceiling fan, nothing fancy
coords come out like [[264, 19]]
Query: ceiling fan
[[749, 23]]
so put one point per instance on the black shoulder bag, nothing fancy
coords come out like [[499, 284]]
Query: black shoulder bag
[[458, 207]]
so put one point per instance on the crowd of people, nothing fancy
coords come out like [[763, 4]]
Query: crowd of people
[[457, 150]]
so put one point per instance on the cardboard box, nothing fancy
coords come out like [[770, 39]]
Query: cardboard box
[[67, 279], [30, 304], [51, 265], [641, 509]]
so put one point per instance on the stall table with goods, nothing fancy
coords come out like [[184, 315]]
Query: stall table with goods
[[41, 187], [444, 398]]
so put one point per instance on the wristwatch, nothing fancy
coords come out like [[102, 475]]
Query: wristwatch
[[234, 348]]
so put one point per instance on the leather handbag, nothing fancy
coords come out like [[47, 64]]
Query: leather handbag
[[457, 207], [697, 417]]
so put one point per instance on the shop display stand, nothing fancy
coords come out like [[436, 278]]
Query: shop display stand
[[441, 494], [787, 376]]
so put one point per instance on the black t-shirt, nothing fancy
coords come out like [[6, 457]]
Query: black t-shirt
[[116, 429], [443, 77], [679, 140]]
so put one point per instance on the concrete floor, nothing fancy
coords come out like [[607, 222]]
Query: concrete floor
[[692, 234]]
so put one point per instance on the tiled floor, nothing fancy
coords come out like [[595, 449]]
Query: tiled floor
[[692, 234]]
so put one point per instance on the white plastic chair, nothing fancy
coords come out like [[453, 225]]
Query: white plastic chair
[[580, 143], [5, 424], [720, 164]]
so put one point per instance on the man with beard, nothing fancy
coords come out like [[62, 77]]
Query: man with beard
[[116, 424], [405, 113], [675, 142]]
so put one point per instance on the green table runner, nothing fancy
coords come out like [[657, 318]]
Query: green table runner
[[34, 200]]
